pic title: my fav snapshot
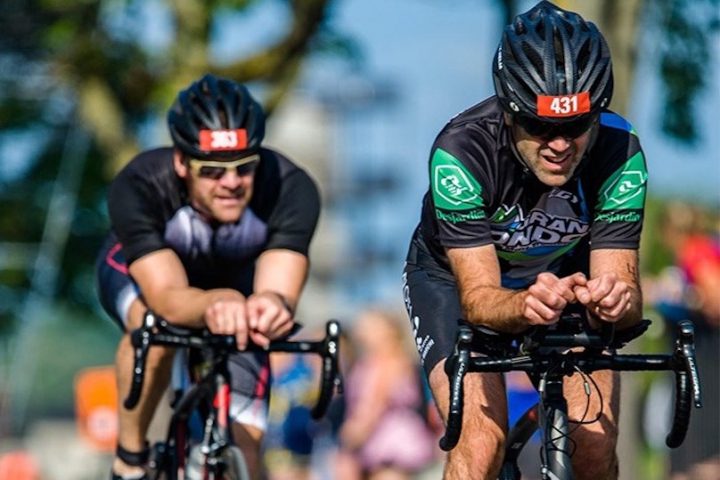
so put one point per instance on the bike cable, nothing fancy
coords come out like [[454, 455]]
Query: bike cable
[[588, 394]]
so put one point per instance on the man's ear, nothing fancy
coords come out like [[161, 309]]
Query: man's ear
[[181, 167]]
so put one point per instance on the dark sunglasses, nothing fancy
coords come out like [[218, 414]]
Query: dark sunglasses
[[548, 131], [216, 169]]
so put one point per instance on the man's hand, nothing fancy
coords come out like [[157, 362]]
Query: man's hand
[[546, 299], [228, 316], [268, 317], [606, 297]]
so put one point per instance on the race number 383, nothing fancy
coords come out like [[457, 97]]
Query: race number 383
[[563, 105], [218, 140]]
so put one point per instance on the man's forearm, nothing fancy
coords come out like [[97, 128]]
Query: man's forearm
[[186, 306], [495, 307]]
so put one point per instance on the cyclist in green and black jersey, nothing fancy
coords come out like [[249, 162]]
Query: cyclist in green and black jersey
[[535, 205]]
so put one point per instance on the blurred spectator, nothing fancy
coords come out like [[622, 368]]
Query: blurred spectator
[[18, 465], [691, 290], [288, 442], [386, 435]]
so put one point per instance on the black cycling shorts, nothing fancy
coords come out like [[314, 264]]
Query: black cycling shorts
[[249, 371], [433, 305]]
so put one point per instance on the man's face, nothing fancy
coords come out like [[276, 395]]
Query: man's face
[[552, 158], [221, 198]]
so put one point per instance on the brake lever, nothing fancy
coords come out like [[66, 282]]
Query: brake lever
[[685, 348]]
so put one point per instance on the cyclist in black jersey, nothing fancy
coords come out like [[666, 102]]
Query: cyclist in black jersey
[[535, 206], [213, 231]]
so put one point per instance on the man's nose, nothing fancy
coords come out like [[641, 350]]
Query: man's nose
[[559, 144], [231, 180]]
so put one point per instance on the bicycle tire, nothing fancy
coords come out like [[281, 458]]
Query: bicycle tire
[[556, 444], [233, 466]]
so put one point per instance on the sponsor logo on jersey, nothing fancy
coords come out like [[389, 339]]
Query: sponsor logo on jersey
[[457, 217], [222, 140], [513, 231], [453, 185], [625, 189], [539, 229], [610, 217], [456, 193]]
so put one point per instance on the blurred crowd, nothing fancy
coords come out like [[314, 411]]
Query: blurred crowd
[[383, 426], [689, 288]]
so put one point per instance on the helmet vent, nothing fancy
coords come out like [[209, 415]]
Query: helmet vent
[[533, 56], [583, 57], [559, 50]]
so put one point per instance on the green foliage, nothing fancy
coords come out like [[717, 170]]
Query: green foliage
[[66, 341], [82, 69], [687, 27], [654, 253]]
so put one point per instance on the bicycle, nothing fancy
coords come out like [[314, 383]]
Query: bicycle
[[214, 457], [545, 355]]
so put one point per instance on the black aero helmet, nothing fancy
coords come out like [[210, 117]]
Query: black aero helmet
[[216, 118], [552, 65]]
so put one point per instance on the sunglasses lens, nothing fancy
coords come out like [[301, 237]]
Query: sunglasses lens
[[578, 127], [536, 128], [216, 169], [246, 168], [211, 172], [546, 131]]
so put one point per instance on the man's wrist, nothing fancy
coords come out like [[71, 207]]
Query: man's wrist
[[284, 301]]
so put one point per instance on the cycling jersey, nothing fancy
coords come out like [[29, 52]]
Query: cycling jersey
[[149, 210], [482, 193]]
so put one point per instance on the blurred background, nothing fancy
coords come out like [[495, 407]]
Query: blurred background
[[356, 91]]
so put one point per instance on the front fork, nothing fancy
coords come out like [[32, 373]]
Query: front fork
[[556, 447]]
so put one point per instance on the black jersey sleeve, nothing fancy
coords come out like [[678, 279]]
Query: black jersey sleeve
[[136, 201], [619, 183], [459, 188], [293, 221]]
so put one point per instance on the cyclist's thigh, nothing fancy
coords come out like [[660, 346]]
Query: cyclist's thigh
[[250, 374], [117, 291], [434, 309], [603, 433]]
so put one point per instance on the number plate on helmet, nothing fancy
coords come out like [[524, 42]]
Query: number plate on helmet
[[563, 105], [219, 140]]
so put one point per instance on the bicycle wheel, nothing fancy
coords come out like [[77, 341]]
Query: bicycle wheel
[[230, 466], [235, 465]]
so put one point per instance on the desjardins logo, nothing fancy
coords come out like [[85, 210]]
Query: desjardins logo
[[612, 217], [453, 185]]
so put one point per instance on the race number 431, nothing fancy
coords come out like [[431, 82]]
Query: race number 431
[[563, 105], [218, 140]]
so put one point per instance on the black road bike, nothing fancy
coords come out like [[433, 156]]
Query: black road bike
[[213, 457], [545, 355]]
